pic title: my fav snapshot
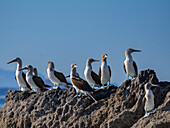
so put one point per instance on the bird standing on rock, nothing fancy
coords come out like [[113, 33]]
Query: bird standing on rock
[[129, 64], [104, 71], [20, 75], [148, 99], [57, 78], [92, 78], [36, 83], [80, 85]]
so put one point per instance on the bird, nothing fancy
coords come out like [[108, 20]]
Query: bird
[[20, 75], [57, 78], [92, 78], [148, 99], [104, 71], [36, 83], [129, 64], [80, 85], [75, 74], [35, 72]]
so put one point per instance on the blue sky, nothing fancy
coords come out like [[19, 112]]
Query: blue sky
[[71, 31]]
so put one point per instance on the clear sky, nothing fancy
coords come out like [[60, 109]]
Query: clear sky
[[71, 31]]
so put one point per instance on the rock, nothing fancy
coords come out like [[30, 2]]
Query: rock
[[116, 107]]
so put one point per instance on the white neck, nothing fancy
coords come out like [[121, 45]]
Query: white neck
[[30, 72], [19, 66], [128, 56]]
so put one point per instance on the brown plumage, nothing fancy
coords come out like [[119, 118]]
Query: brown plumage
[[96, 78], [109, 71], [124, 67], [40, 83], [62, 78], [135, 67], [81, 84]]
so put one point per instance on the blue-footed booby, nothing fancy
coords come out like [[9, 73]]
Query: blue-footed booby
[[36, 83], [20, 75], [104, 71], [129, 64], [148, 99], [92, 78], [57, 78], [80, 85]]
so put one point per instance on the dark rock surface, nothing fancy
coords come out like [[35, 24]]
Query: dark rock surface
[[116, 107]]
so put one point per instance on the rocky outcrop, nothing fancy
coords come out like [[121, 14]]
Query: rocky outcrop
[[116, 107]]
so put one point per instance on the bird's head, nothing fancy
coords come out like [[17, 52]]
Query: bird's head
[[28, 67], [73, 66], [17, 59], [104, 56], [51, 65], [90, 60], [130, 50]]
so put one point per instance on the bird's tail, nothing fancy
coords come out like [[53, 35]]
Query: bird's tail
[[47, 86], [88, 93]]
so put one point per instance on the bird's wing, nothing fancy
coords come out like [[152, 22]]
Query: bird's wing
[[96, 78], [124, 67], [109, 70], [81, 84], [15, 77], [24, 77], [100, 72], [136, 69], [39, 82], [60, 76], [143, 102]]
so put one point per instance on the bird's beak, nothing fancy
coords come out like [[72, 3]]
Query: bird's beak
[[75, 66], [136, 50], [23, 69], [106, 56], [11, 61], [67, 76], [96, 60], [155, 85]]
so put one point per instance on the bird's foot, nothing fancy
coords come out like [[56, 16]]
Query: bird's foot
[[55, 87], [102, 87], [133, 78], [33, 90], [153, 111], [146, 115], [77, 95]]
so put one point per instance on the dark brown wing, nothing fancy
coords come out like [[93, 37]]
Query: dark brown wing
[[60, 76], [109, 70], [81, 84], [143, 102], [100, 72], [39, 82], [24, 77], [96, 78], [15, 77], [136, 69], [124, 67]]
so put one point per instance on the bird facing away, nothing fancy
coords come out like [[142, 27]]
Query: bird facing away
[[129, 64], [92, 78], [104, 71], [35, 72], [20, 75], [148, 99], [57, 78], [80, 85], [36, 83]]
